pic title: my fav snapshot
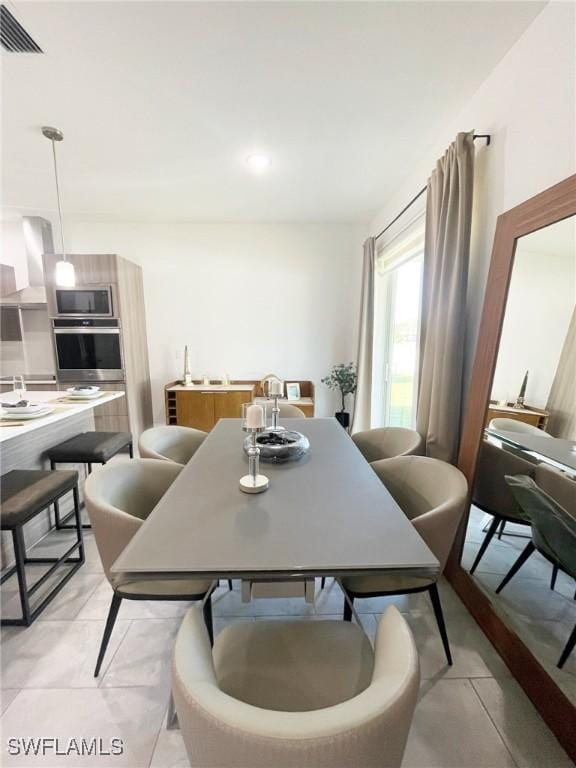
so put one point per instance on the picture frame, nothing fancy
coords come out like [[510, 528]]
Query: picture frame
[[292, 390]]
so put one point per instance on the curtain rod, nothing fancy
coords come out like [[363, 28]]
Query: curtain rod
[[411, 203]]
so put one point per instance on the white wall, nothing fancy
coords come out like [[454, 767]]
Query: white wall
[[248, 299], [527, 104], [538, 312]]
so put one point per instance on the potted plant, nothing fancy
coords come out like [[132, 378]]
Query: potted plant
[[342, 377]]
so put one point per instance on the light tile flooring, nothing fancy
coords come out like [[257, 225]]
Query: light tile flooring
[[472, 715], [542, 617]]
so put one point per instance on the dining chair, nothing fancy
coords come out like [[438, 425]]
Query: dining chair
[[311, 694], [287, 410], [553, 531], [170, 442], [119, 498], [432, 495], [513, 425], [388, 442], [491, 493]]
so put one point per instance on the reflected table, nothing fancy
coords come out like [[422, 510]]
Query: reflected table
[[326, 514], [551, 450]]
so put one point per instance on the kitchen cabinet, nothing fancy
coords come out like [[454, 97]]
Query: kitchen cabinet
[[202, 406]]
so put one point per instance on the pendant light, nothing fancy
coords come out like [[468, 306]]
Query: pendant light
[[65, 275]]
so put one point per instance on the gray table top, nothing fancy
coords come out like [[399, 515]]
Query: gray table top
[[326, 514], [559, 451]]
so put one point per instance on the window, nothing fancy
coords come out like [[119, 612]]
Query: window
[[397, 301]]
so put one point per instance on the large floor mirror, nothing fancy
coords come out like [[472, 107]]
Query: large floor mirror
[[517, 551]]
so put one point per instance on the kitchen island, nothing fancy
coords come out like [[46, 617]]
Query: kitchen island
[[25, 446]]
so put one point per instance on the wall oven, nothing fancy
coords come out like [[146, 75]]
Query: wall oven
[[84, 301], [88, 349]]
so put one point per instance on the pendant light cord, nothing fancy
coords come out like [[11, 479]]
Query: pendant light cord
[[58, 199]]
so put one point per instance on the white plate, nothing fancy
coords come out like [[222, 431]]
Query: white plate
[[83, 396], [26, 409], [9, 415]]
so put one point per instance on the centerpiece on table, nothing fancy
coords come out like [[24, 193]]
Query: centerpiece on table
[[342, 377]]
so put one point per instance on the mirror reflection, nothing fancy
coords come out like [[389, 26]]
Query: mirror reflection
[[521, 538]]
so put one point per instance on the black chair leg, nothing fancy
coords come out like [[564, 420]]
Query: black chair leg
[[501, 529], [348, 600], [20, 556], [207, 611], [230, 585], [437, 606], [487, 539], [568, 648], [523, 556], [323, 582], [78, 523], [554, 576], [131, 451], [110, 621]]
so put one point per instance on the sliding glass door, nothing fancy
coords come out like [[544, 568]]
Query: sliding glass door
[[398, 291]]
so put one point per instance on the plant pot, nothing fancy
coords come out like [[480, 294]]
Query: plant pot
[[343, 417]]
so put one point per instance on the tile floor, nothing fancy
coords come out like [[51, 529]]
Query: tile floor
[[542, 617], [472, 715]]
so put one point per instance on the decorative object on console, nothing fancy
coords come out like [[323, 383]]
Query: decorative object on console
[[253, 422], [343, 378], [293, 391], [522, 394], [65, 273], [187, 379]]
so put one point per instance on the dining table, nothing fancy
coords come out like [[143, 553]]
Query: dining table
[[325, 514], [555, 451]]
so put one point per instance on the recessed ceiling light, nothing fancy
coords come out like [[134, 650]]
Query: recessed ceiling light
[[257, 162]]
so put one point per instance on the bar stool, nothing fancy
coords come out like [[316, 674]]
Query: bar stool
[[25, 493], [87, 448]]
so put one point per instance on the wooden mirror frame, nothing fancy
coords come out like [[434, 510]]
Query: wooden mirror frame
[[548, 207]]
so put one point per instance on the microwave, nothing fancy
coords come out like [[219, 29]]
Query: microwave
[[84, 301]]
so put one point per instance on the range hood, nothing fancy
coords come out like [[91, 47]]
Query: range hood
[[37, 241]]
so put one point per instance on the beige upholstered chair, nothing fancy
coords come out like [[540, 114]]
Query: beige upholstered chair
[[432, 494], [491, 493], [173, 443], [287, 410], [513, 425], [385, 443], [310, 694], [119, 497]]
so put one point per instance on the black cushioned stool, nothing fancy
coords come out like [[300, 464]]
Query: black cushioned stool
[[24, 494], [88, 448]]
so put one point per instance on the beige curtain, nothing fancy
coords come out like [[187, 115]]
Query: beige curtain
[[446, 255], [363, 400], [562, 399]]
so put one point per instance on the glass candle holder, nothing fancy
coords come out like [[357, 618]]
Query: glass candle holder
[[253, 422]]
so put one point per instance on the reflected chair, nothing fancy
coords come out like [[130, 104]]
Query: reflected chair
[[491, 493], [171, 442], [287, 410], [513, 425], [388, 442], [432, 495], [553, 533], [119, 498], [311, 694]]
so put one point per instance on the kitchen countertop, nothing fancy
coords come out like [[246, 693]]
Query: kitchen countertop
[[61, 410]]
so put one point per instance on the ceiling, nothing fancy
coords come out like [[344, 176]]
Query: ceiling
[[161, 102]]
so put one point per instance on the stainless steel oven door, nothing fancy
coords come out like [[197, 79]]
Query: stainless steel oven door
[[89, 354]]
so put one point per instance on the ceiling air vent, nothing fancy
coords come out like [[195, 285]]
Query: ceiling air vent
[[13, 36]]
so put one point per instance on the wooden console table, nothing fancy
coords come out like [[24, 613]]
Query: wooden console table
[[202, 405], [529, 415]]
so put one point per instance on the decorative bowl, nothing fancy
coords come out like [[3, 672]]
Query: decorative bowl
[[280, 446]]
